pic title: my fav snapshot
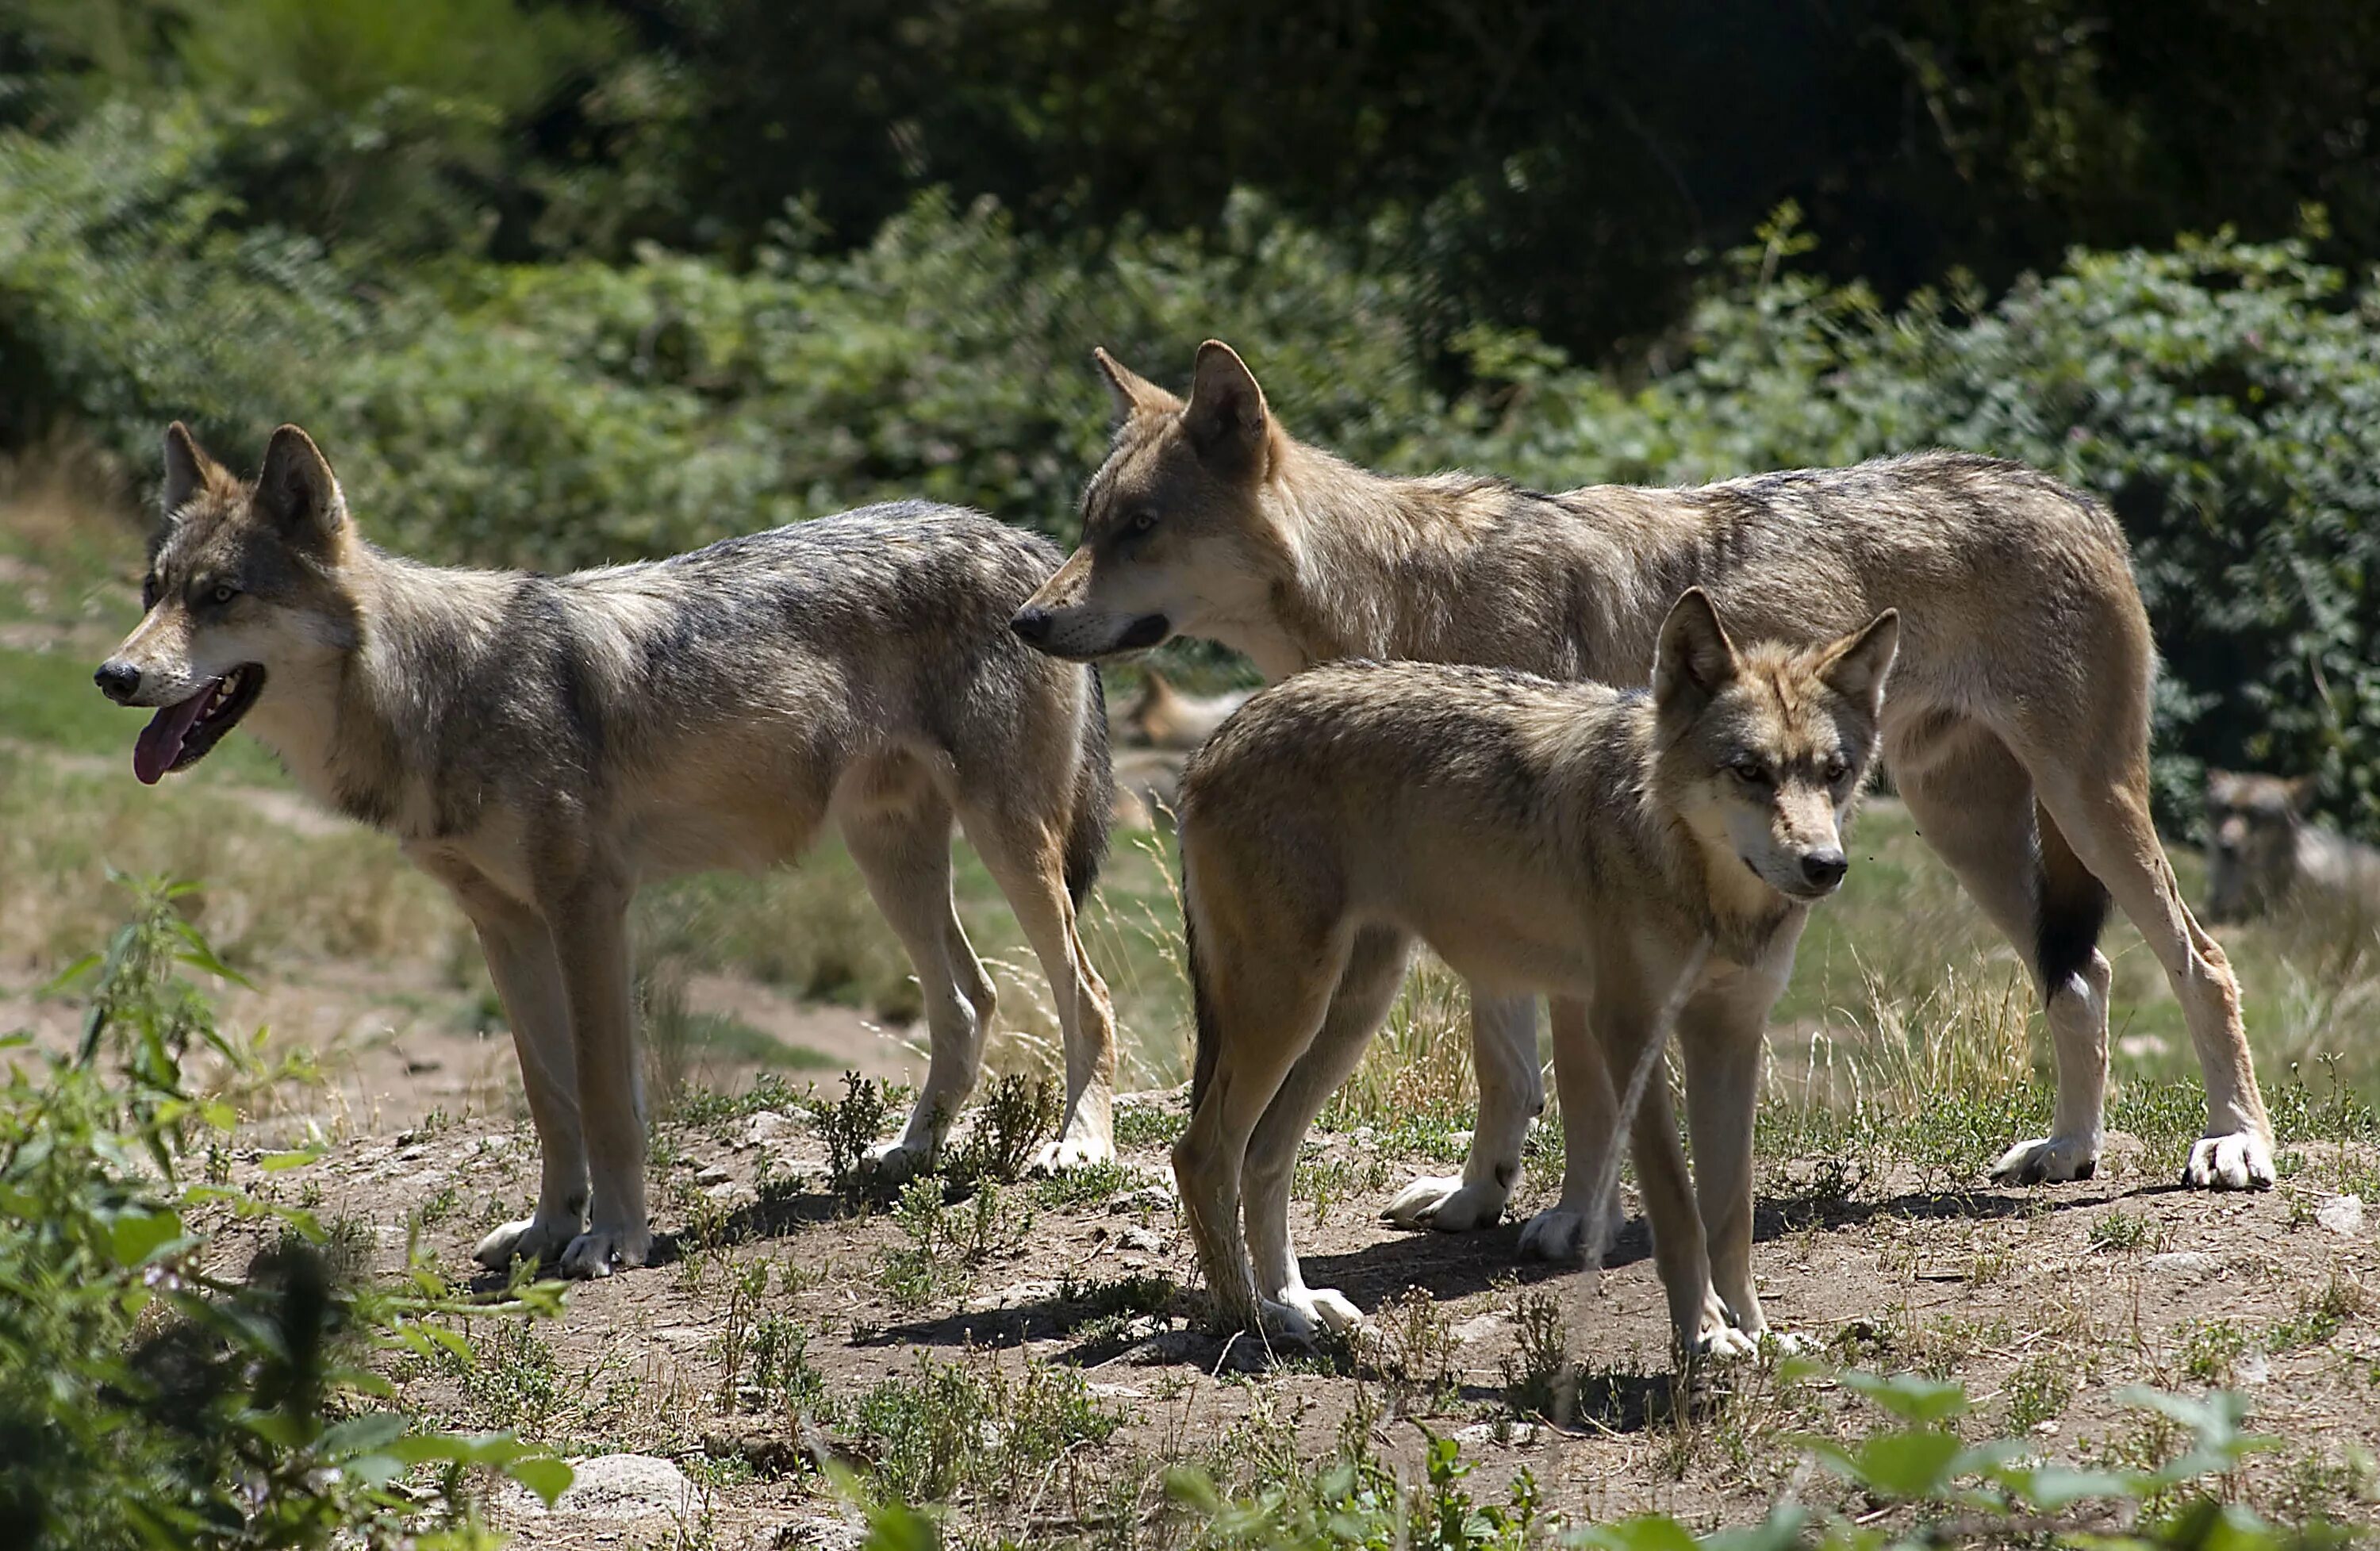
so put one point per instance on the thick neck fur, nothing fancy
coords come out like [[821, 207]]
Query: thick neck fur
[[1741, 913], [1365, 556], [354, 720]]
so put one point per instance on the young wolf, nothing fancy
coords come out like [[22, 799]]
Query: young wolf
[[2017, 730], [1604, 844], [544, 745], [2263, 854]]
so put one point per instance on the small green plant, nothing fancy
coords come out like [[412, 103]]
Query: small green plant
[[1411, 1343], [2039, 1391], [850, 1126], [1013, 1115], [2212, 1352], [2122, 1232], [973, 1426], [1538, 1380]]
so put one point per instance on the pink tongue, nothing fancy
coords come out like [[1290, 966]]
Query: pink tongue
[[161, 741]]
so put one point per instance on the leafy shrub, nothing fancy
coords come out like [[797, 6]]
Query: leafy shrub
[[148, 1399]]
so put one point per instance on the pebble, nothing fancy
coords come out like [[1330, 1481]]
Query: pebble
[[619, 1486], [2341, 1213]]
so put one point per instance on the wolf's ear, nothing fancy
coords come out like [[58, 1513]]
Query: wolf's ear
[[1860, 663], [188, 468], [1694, 659], [1134, 393], [1226, 417], [2301, 792], [298, 490]]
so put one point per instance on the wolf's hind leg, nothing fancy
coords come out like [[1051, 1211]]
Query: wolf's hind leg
[[1376, 962], [905, 855], [1026, 858], [589, 921], [1512, 1093], [1975, 804]]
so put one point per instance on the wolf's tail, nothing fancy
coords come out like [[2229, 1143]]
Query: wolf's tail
[[2072, 911], [1086, 834], [1209, 1045]]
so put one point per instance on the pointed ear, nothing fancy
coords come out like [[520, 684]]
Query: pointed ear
[[2301, 792], [1133, 394], [1694, 659], [188, 468], [298, 489], [1226, 417], [1860, 663]]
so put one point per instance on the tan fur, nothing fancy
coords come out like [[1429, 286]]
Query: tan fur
[[544, 745], [2017, 731], [1649, 856], [1162, 716]]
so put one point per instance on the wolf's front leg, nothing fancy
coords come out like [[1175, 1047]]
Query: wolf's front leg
[[591, 937], [1512, 1094], [1087, 1135]]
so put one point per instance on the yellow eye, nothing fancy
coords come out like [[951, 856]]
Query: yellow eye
[[1143, 521], [226, 592], [1751, 772]]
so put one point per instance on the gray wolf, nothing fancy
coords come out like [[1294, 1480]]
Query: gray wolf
[[1629, 850], [2262, 852], [544, 745], [2017, 730], [1162, 716]]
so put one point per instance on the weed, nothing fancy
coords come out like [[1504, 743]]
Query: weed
[[1412, 1342], [1014, 1114], [2211, 1351], [973, 1426], [2039, 1390], [851, 1126], [2118, 1232], [1538, 1380]]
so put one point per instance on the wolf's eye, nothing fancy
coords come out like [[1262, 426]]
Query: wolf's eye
[[1836, 767], [1141, 521], [1751, 772], [224, 592]]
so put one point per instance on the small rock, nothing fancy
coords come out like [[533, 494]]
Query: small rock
[[2254, 1369], [1149, 1198], [768, 1129], [819, 1534], [1516, 1434], [620, 1486], [1146, 1240], [711, 1174], [2341, 1213], [2183, 1265], [1484, 1328], [1117, 1391], [1015, 1295]]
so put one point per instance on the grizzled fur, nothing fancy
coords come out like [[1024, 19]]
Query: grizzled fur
[[545, 745], [2017, 732], [2263, 854], [1567, 838]]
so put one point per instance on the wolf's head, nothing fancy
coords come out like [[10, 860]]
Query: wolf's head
[[243, 584], [1175, 540], [1760, 752], [2251, 841]]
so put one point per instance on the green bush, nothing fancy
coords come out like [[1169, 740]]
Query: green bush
[[149, 1397], [2224, 397]]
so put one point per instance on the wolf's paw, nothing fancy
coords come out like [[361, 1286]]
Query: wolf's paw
[[1723, 1343], [1781, 1343], [1445, 1203], [2047, 1160], [1558, 1234], [1320, 1307], [1073, 1152], [535, 1240], [605, 1250], [2239, 1161], [890, 1165]]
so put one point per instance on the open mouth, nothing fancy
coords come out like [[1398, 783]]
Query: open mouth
[[178, 736], [1146, 631]]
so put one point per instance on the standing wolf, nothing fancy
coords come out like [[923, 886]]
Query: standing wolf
[[543, 744], [1604, 844], [2263, 854], [2017, 728]]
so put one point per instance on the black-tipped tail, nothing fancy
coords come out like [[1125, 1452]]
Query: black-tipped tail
[[2072, 911], [1086, 836]]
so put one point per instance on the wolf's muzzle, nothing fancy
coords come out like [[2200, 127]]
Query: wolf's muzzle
[[1825, 869]]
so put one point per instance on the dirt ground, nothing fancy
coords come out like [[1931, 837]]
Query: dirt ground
[[2043, 1302]]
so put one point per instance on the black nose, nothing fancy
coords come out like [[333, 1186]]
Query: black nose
[[118, 681], [1825, 869], [1032, 627]]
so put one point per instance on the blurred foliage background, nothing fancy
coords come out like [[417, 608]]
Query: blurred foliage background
[[564, 282]]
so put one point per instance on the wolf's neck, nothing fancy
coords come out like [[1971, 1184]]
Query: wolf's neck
[[358, 727], [1374, 566]]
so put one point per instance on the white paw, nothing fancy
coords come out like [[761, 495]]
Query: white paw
[[1322, 1307], [1780, 1343], [1724, 1343], [1445, 1203], [1073, 1152], [1560, 1234], [2239, 1161], [605, 1250], [535, 1240], [892, 1164], [1287, 1322], [2047, 1160]]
